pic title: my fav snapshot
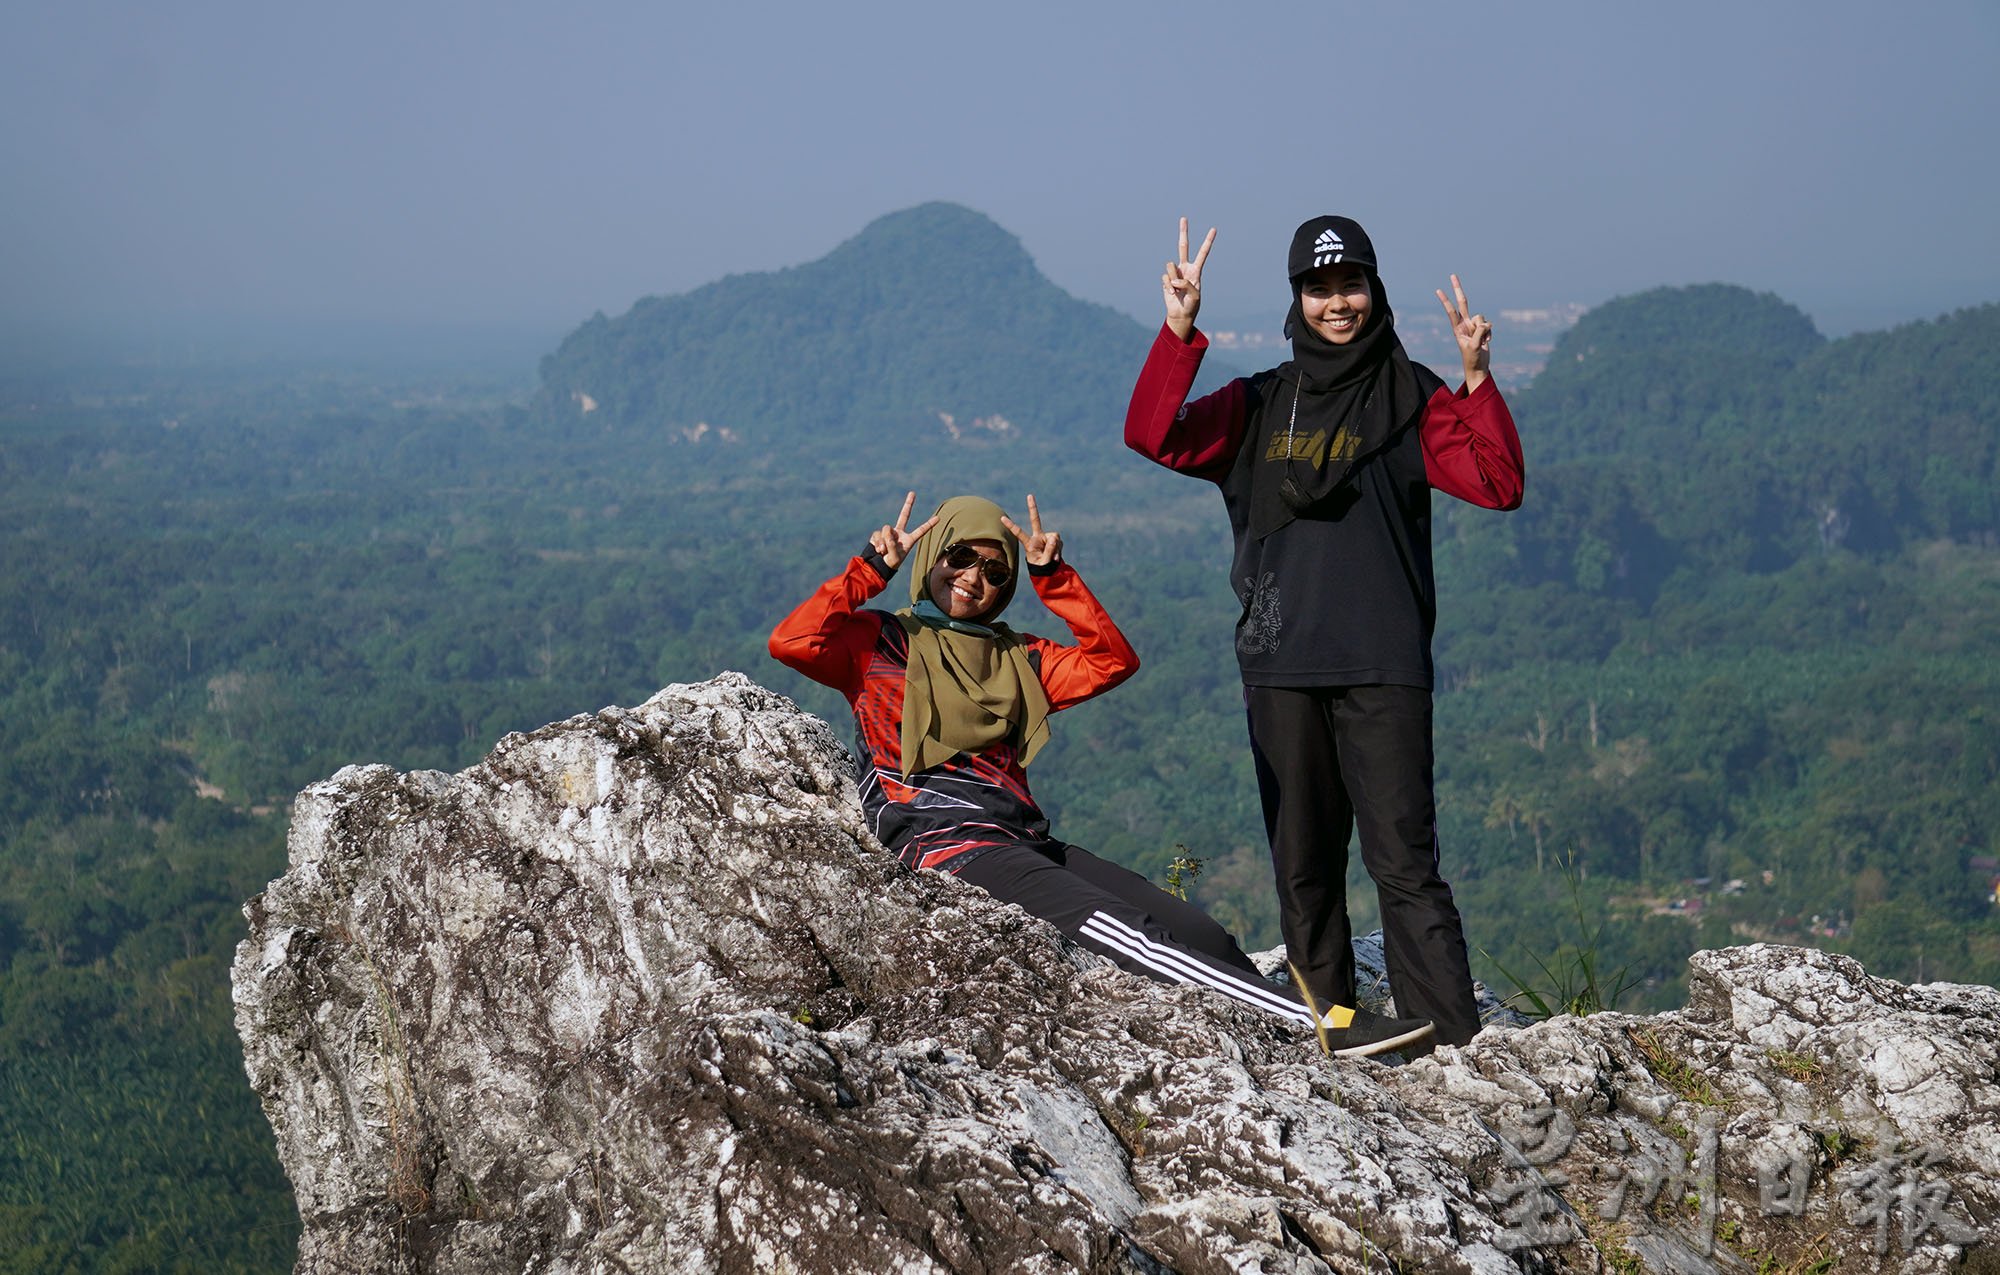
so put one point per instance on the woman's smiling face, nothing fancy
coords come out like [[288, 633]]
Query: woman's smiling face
[[1335, 301], [967, 594]]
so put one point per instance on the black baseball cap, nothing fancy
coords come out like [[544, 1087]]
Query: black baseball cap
[[1330, 241]]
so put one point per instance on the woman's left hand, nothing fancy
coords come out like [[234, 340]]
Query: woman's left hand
[[1039, 547], [1474, 333]]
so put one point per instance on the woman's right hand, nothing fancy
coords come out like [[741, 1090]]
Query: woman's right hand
[[1180, 286], [894, 543]]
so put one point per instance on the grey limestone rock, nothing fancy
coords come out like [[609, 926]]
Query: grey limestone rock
[[640, 993]]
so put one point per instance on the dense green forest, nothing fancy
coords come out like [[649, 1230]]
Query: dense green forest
[[1731, 669]]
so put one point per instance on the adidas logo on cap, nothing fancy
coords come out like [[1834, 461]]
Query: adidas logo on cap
[[1327, 248]]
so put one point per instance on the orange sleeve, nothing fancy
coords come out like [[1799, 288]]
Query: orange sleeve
[[827, 637], [1101, 658]]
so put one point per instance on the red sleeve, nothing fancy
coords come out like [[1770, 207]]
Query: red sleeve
[[1198, 438], [1101, 658], [1470, 448], [825, 638]]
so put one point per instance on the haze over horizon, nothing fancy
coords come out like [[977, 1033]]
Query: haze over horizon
[[466, 167]]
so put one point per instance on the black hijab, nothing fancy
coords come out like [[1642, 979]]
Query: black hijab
[[1331, 407]]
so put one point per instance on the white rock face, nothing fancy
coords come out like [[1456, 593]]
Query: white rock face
[[638, 993]]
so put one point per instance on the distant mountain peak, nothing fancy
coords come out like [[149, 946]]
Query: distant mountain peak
[[929, 314], [958, 246], [939, 220]]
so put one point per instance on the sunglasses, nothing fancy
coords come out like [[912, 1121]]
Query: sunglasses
[[960, 556]]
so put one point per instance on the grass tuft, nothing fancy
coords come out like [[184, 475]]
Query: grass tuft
[[1800, 1067], [1676, 1073], [1572, 981]]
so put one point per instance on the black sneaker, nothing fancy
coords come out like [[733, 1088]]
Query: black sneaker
[[1370, 1033]]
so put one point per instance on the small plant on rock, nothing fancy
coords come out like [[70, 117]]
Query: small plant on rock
[[1673, 1071], [1140, 1120], [1572, 981], [1800, 1067], [1181, 873], [1841, 1145]]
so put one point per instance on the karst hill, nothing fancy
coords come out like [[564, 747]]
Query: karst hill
[[928, 314]]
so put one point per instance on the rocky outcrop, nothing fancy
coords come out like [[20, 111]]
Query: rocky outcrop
[[639, 993]]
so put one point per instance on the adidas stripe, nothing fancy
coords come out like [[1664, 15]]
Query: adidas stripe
[[1181, 967]]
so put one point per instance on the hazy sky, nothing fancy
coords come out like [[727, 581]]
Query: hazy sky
[[441, 160]]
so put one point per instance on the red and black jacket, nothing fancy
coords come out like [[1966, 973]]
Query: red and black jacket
[[1345, 596], [944, 816]]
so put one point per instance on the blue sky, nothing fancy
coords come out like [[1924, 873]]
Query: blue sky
[[439, 161]]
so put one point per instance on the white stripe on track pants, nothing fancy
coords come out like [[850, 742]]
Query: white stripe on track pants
[[1119, 914]]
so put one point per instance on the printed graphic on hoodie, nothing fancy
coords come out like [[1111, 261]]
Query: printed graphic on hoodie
[[1257, 631]]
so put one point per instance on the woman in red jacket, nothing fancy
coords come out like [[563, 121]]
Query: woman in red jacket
[[1326, 464], [950, 706]]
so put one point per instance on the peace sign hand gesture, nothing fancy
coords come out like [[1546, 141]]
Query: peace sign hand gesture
[[1474, 333], [1180, 286], [894, 543], [1040, 547]]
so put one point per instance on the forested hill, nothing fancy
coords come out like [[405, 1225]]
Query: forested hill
[[1712, 429], [928, 313], [1635, 367]]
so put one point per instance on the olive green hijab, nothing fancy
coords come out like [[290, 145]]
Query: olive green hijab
[[966, 686]]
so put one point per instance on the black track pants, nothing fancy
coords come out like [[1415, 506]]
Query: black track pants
[[1115, 912], [1329, 759]]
